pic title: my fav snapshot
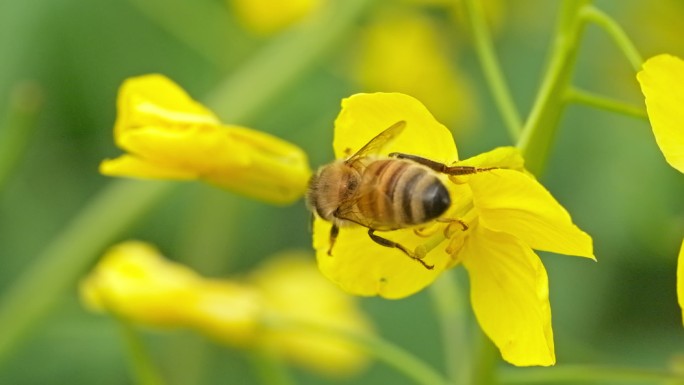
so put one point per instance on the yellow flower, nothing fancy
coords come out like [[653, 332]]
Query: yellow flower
[[170, 136], [135, 282], [662, 79], [507, 214], [293, 289], [406, 52], [266, 17]]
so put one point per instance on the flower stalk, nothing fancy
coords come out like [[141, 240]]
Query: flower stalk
[[540, 128], [491, 68]]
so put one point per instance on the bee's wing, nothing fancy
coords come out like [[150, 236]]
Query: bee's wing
[[379, 141], [349, 211]]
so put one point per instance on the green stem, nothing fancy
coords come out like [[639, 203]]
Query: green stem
[[574, 95], [585, 373], [270, 368], [603, 20], [486, 358], [55, 270], [17, 127], [144, 370], [450, 309], [401, 360], [540, 128], [289, 56], [490, 65], [202, 26]]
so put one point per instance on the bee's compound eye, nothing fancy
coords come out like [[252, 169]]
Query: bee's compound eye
[[436, 200]]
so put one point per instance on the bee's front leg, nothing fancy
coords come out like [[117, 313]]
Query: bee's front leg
[[334, 231], [387, 243]]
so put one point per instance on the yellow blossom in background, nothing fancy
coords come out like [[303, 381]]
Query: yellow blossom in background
[[293, 288], [662, 81], [134, 281], [406, 52], [168, 135], [266, 17], [507, 213]]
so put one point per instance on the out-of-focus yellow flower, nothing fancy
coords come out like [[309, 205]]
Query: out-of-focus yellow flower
[[664, 25], [170, 136], [294, 289], [662, 80], [266, 17], [507, 213], [135, 282], [405, 52]]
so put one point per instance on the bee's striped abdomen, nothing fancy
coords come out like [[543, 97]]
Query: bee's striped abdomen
[[404, 193]]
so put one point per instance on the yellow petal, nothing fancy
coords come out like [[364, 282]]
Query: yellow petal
[[266, 17], [512, 202], [680, 278], [500, 157], [155, 100], [277, 171], [134, 281], [363, 116], [362, 267], [662, 81], [198, 148], [510, 296], [226, 311], [131, 166]]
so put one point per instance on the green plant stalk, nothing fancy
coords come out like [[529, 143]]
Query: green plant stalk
[[575, 95], [144, 370], [573, 374], [270, 368], [491, 68], [450, 309], [290, 55], [17, 126], [57, 268], [204, 27], [615, 31], [486, 359], [395, 357], [540, 128]]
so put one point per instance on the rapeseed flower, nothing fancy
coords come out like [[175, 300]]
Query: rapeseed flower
[[504, 214], [135, 282], [662, 82], [267, 17], [405, 51], [168, 135]]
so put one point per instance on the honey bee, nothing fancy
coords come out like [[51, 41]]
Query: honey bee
[[382, 193]]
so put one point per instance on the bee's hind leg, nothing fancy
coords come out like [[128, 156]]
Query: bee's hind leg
[[440, 167], [387, 243]]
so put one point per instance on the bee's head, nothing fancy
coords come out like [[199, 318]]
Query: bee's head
[[330, 187]]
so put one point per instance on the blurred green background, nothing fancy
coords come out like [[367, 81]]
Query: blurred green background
[[605, 169]]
